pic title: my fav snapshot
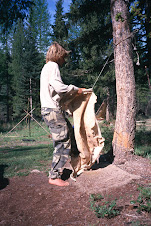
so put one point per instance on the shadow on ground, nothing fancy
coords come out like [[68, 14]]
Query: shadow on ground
[[3, 181], [104, 160]]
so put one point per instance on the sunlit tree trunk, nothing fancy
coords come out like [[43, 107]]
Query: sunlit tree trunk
[[30, 99], [124, 133], [108, 107]]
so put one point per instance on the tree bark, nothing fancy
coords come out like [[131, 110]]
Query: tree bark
[[30, 99], [108, 106], [124, 133]]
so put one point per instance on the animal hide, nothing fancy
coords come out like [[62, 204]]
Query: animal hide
[[87, 133]]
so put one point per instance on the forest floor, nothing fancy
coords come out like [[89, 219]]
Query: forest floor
[[31, 201]]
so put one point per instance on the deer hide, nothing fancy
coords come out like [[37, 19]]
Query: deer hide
[[86, 131]]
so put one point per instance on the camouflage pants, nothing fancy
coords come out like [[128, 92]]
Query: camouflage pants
[[55, 120]]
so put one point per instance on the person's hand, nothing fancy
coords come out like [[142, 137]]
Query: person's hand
[[80, 90]]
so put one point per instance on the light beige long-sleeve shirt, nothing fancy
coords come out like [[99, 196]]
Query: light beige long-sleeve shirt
[[52, 88]]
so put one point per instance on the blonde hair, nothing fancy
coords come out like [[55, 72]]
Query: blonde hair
[[55, 52]]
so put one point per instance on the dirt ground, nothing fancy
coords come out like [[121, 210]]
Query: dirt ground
[[31, 201]]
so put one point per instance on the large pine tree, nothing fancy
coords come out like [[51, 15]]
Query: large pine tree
[[124, 133], [11, 11], [60, 32], [26, 66], [90, 41], [17, 70], [141, 19], [5, 85], [39, 20]]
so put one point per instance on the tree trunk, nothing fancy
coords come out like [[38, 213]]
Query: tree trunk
[[124, 133], [30, 99], [108, 106]]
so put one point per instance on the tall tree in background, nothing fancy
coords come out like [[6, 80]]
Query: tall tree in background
[[141, 19], [26, 66], [11, 11], [60, 35], [33, 63], [60, 32], [124, 133], [31, 38], [5, 85], [92, 46], [17, 70], [39, 20], [141, 13]]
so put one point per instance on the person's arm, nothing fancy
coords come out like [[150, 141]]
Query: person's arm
[[56, 82]]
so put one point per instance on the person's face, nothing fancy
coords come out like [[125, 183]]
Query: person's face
[[61, 61]]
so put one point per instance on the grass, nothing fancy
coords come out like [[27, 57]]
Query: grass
[[142, 138], [107, 132], [23, 150], [22, 131], [143, 142], [20, 160]]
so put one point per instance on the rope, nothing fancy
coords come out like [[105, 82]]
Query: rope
[[131, 35], [19, 122], [28, 114], [101, 72], [37, 122]]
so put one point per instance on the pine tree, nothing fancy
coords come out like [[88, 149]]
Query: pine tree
[[33, 62], [60, 32], [39, 20], [141, 19], [26, 66], [17, 70], [11, 11], [91, 44], [5, 89], [124, 133], [60, 35]]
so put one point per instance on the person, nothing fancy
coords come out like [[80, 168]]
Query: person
[[52, 90]]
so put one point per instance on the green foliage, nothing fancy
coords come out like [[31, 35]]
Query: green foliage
[[141, 19], [28, 40], [144, 199], [39, 21], [90, 42], [16, 68], [5, 85], [106, 209], [25, 67], [144, 151], [119, 17], [143, 137], [86, 30], [11, 11], [107, 133], [136, 10], [60, 31]]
